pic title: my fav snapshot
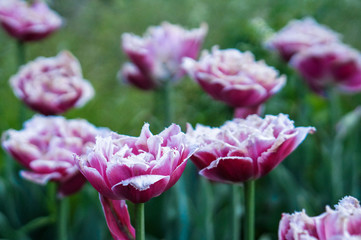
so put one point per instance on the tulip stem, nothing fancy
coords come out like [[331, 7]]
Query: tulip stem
[[163, 104], [20, 53], [249, 189], [235, 212], [139, 221], [63, 215]]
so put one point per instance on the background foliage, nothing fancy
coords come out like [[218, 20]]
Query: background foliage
[[92, 33]]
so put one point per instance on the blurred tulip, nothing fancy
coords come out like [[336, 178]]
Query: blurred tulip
[[235, 78], [118, 219], [343, 223], [157, 57], [52, 85], [136, 168], [46, 146], [297, 226], [329, 65], [299, 35], [245, 149], [28, 22]]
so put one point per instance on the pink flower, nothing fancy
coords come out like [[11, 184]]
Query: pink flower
[[299, 35], [343, 223], [235, 77], [245, 149], [52, 85], [117, 217], [328, 65], [136, 168], [157, 57], [28, 22], [46, 146], [297, 226]]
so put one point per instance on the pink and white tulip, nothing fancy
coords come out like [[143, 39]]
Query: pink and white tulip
[[136, 168], [118, 219], [245, 149], [235, 77], [299, 35], [28, 22], [52, 85], [157, 56], [46, 147], [330, 65], [343, 223]]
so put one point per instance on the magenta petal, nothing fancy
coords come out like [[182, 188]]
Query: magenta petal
[[117, 217], [40, 178], [176, 174], [270, 159], [229, 170], [141, 189], [71, 185], [132, 75]]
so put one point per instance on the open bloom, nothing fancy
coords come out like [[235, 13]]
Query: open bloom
[[28, 22], [136, 168], [235, 77], [52, 85], [157, 57], [343, 223], [244, 149], [117, 217], [327, 65], [299, 35], [46, 147]]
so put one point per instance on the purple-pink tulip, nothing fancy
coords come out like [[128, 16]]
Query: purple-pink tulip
[[330, 65], [28, 22], [299, 35], [245, 149], [46, 147], [235, 78], [157, 56], [118, 219], [343, 223], [136, 168], [52, 85]]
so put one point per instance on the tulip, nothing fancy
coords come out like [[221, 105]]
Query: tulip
[[342, 223], [245, 149], [157, 57], [136, 168], [27, 22], [235, 78], [52, 85], [323, 66], [118, 219], [46, 147], [299, 35]]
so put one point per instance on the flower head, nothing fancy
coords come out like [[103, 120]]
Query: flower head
[[52, 85], [157, 56], [46, 147], [327, 65], [343, 223], [136, 168], [245, 149], [234, 77], [28, 22], [299, 35]]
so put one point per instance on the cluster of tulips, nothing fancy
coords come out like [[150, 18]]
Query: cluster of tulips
[[137, 169]]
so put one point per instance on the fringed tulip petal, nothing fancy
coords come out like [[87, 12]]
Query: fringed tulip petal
[[118, 219]]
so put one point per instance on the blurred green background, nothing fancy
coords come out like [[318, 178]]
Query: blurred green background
[[92, 33]]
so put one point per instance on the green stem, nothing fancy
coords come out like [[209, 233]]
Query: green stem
[[63, 217], [235, 212], [209, 207], [336, 151], [37, 223], [163, 103], [21, 53], [249, 188], [139, 221]]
